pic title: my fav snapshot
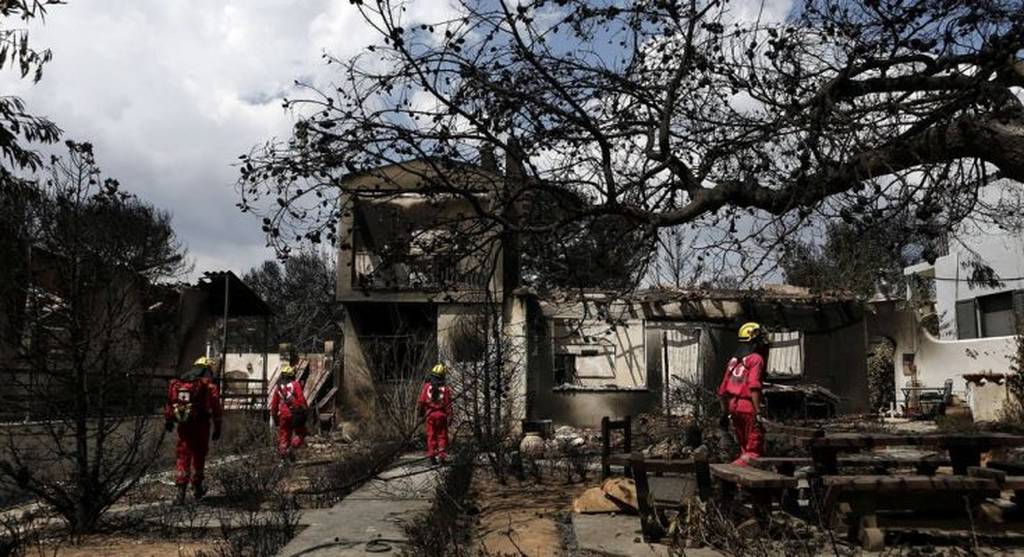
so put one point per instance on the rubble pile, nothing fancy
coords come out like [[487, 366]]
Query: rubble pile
[[615, 495]]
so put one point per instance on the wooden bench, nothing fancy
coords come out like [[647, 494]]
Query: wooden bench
[[655, 466], [762, 485], [852, 502], [787, 465], [1004, 480], [653, 525], [1015, 468]]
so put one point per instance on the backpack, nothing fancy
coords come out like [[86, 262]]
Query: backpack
[[186, 399], [298, 412]]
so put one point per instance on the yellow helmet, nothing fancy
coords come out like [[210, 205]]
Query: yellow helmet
[[750, 332], [438, 370], [287, 370], [203, 361]]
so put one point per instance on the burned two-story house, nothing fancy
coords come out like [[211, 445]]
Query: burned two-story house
[[417, 261], [422, 266]]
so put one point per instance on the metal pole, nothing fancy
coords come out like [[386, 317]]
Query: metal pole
[[666, 393], [224, 342], [266, 339]]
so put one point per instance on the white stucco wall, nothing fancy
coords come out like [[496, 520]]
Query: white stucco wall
[[1000, 249], [987, 401], [237, 363], [936, 360]]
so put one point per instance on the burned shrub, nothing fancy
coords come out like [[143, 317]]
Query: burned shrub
[[337, 479], [256, 533], [443, 531], [249, 482]]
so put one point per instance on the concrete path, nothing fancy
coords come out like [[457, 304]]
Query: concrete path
[[374, 514], [619, 536]]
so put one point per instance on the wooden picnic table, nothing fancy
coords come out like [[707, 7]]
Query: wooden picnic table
[[964, 448]]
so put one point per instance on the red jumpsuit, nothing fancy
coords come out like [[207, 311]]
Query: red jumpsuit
[[436, 407], [283, 402], [201, 398], [742, 376]]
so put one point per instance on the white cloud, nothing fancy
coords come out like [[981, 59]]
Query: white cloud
[[171, 93]]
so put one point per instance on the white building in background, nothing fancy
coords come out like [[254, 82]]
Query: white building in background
[[977, 323]]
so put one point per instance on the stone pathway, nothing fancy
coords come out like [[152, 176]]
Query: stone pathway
[[369, 521]]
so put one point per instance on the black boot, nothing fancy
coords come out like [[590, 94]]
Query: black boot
[[180, 498], [198, 490]]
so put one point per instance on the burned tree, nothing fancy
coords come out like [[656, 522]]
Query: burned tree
[[90, 336], [662, 114]]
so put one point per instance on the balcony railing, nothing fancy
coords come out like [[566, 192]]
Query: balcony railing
[[427, 273]]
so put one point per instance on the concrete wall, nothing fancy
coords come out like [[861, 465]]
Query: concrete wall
[[927, 361], [835, 348], [987, 401], [835, 359], [238, 363], [578, 407], [1002, 250]]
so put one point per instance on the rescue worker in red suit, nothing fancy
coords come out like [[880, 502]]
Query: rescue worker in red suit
[[288, 408], [435, 405], [740, 392], [193, 401]]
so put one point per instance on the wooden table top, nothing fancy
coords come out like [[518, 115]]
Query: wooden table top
[[980, 440]]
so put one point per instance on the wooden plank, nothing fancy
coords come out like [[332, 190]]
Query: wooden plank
[[1015, 468], [655, 465], [910, 483], [988, 473], [946, 441], [703, 472], [746, 476], [650, 523], [767, 463]]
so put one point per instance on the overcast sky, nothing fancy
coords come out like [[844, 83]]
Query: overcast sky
[[170, 92]]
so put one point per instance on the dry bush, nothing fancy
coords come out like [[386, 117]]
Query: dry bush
[[444, 530], [339, 478], [706, 524], [14, 539], [399, 365], [1013, 410], [256, 533], [245, 431], [250, 481], [564, 457], [485, 373], [191, 520], [24, 537]]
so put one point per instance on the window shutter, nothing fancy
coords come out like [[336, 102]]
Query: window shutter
[[966, 319], [1018, 311]]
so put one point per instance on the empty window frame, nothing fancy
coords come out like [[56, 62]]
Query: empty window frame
[[594, 354], [995, 315]]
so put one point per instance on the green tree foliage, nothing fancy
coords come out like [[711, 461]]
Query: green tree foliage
[[17, 126], [881, 382], [853, 260], [301, 293]]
